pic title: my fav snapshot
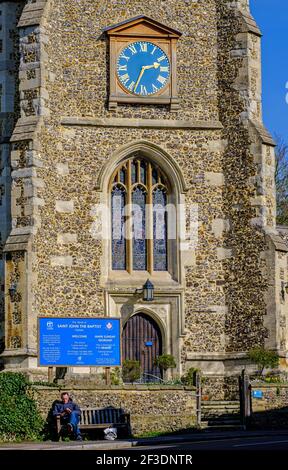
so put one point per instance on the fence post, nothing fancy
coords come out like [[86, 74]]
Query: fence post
[[245, 398], [198, 397]]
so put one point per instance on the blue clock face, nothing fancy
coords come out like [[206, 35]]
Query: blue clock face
[[143, 68]]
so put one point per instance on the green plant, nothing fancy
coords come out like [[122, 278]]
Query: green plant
[[190, 377], [263, 358], [131, 370], [116, 376], [46, 384], [19, 417], [174, 381], [272, 379], [165, 361]]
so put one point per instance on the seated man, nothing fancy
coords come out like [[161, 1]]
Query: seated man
[[69, 414]]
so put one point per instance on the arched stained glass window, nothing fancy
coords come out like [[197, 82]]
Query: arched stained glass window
[[160, 229], [118, 234], [139, 230]]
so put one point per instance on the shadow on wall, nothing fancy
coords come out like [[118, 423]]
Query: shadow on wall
[[50, 430], [269, 419]]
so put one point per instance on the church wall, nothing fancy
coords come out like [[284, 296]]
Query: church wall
[[221, 284]]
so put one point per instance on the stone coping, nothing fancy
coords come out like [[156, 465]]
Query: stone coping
[[140, 123], [271, 385], [136, 387], [32, 13]]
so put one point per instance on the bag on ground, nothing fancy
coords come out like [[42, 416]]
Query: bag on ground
[[110, 434]]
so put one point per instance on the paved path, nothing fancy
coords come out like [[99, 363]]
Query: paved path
[[147, 442]]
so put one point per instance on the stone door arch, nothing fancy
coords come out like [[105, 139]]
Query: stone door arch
[[142, 341]]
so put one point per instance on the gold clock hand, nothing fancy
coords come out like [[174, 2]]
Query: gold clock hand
[[153, 66], [139, 78], [146, 67]]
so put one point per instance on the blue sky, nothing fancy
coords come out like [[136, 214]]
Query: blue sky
[[272, 18]]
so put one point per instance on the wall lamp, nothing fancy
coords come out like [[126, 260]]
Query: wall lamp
[[147, 291], [284, 288]]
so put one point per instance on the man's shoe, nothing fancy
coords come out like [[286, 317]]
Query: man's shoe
[[79, 438], [69, 428]]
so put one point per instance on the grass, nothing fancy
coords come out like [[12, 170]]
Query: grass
[[149, 434], [166, 433]]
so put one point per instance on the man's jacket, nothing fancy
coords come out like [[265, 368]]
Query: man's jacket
[[60, 407]]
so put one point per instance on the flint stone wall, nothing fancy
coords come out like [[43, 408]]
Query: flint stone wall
[[272, 409], [151, 408]]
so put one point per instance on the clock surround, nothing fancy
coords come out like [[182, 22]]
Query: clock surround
[[143, 30]]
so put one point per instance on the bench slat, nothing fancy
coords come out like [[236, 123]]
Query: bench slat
[[94, 418]]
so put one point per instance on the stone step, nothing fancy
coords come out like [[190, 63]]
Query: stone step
[[217, 405], [221, 402], [221, 416], [221, 410], [208, 427], [222, 407], [222, 421]]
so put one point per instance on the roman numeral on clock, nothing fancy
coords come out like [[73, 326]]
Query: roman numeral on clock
[[143, 90], [131, 86], [143, 46], [161, 79], [123, 56], [133, 49], [125, 78], [123, 68]]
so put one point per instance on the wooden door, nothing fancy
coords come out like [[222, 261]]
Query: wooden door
[[142, 341]]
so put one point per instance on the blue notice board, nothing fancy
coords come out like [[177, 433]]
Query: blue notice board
[[257, 394], [79, 342]]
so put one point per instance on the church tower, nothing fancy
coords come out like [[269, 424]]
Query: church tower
[[139, 153]]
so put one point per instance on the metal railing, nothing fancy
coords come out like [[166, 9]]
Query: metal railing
[[148, 378]]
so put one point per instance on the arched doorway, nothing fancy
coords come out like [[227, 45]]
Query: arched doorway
[[142, 341]]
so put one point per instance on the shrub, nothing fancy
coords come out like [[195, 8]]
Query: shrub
[[269, 379], [164, 362], [19, 417], [263, 358], [131, 370], [116, 376], [190, 377], [43, 383]]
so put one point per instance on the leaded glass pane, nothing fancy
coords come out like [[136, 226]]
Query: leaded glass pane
[[139, 230], [118, 235], [122, 175], [154, 176], [143, 172], [134, 172], [160, 230]]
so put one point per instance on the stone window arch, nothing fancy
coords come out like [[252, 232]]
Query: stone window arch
[[140, 195]]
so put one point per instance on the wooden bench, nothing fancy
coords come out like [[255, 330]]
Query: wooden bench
[[101, 418]]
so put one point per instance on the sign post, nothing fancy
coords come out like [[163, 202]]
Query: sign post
[[50, 374], [108, 376]]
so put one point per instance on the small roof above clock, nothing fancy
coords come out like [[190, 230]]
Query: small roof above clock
[[142, 26]]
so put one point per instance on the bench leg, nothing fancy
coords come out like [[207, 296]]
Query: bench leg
[[58, 427]]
